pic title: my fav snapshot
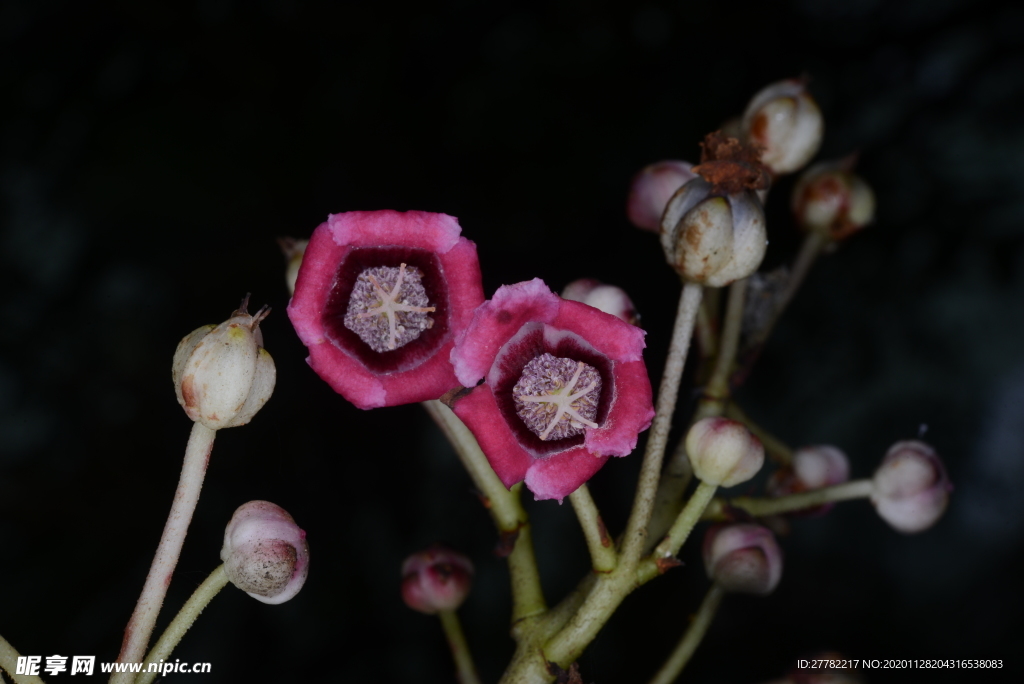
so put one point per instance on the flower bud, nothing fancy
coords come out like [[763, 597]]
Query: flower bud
[[743, 558], [711, 237], [651, 190], [911, 487], [813, 467], [723, 452], [293, 250], [222, 374], [785, 121], [608, 298], [830, 199], [265, 553], [436, 579]]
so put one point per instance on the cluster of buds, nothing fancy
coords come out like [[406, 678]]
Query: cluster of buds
[[265, 553], [222, 374]]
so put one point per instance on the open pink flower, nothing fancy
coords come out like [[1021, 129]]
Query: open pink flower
[[379, 300], [566, 387]]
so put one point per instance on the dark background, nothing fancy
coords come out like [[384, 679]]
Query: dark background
[[150, 154]]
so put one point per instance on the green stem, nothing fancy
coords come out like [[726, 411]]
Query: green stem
[[678, 471], [684, 524], [506, 509], [716, 393], [691, 639], [761, 507], [669, 499], [200, 598], [464, 668], [140, 626], [9, 661], [602, 550], [657, 438], [810, 249]]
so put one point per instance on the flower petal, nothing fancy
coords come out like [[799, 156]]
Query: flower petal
[[496, 321], [560, 475], [631, 412], [479, 411]]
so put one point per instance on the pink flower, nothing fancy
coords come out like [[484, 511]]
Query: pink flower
[[566, 387], [379, 300]]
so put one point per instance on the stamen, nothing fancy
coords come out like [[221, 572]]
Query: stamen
[[546, 401], [388, 307]]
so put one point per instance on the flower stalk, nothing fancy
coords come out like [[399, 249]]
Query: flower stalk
[[506, 509], [694, 634], [759, 507], [464, 668], [657, 438], [143, 619], [9, 661], [181, 623], [602, 549]]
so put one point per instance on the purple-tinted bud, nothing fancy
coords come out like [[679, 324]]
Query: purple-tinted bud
[[813, 467], [830, 199], [265, 553], [784, 120], [743, 558], [608, 298], [911, 487], [651, 190], [723, 452], [435, 580]]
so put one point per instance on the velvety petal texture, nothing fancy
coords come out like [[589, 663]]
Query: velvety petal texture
[[525, 324], [356, 252]]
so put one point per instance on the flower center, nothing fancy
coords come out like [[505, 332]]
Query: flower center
[[557, 397], [388, 307]]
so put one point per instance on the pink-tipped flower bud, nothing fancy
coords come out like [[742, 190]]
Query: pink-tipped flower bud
[[813, 467], [723, 452], [608, 298], [651, 190], [436, 580], [829, 199], [784, 120], [911, 487], [743, 558], [293, 250], [711, 237], [265, 553], [222, 374]]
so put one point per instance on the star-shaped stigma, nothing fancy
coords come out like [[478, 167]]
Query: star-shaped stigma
[[388, 307], [548, 401]]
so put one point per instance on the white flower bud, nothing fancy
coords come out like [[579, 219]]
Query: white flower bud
[[911, 487], [785, 121], [651, 190], [712, 238], [830, 199], [293, 251], [723, 452], [608, 298], [265, 553], [222, 374], [743, 558]]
